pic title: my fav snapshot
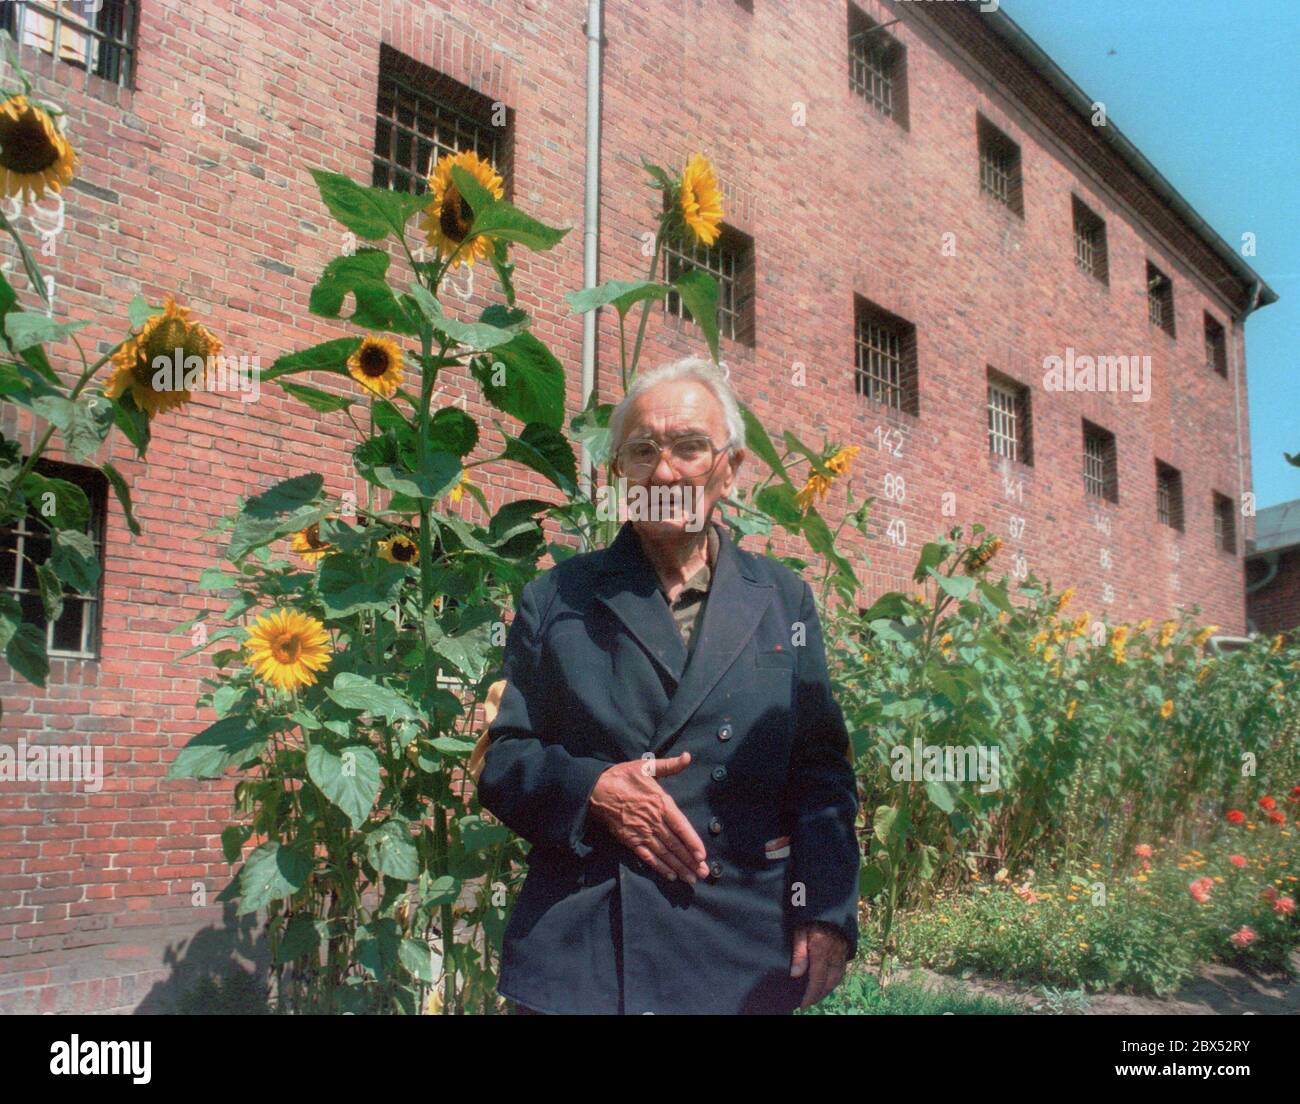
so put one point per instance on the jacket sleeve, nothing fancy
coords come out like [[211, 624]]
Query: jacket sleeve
[[529, 781], [822, 796]]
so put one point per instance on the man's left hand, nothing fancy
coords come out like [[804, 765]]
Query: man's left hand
[[821, 951]]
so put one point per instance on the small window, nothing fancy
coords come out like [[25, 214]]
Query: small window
[[27, 545], [1160, 299], [1100, 474], [885, 371], [1090, 243], [877, 67], [422, 115], [999, 166], [1169, 496], [1225, 524], [97, 36], [730, 261], [1216, 347], [1008, 418]]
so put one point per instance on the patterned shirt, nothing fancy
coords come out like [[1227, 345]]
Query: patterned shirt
[[689, 605]]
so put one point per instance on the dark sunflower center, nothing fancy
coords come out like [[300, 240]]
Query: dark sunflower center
[[25, 147], [313, 536], [456, 215], [403, 551], [168, 336], [287, 649], [374, 361]]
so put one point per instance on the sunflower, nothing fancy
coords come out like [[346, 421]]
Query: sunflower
[[307, 543], [458, 491], [978, 558], [286, 648], [1167, 631], [1064, 599], [160, 337], [1080, 625], [1204, 635], [377, 365], [817, 487], [448, 217], [842, 460], [34, 156], [701, 200], [399, 549]]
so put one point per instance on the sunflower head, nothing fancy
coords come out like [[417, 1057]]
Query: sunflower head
[[307, 543], [842, 459], [458, 491], [286, 649], [377, 366], [399, 549], [448, 217], [816, 488], [34, 155], [700, 200], [171, 339]]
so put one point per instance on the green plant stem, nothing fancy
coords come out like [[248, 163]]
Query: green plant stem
[[645, 315]]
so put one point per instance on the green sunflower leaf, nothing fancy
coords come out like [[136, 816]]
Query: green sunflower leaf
[[370, 213], [228, 743], [132, 422], [622, 295], [503, 221], [271, 873], [123, 493], [474, 335], [349, 778], [321, 401], [363, 274], [699, 292], [329, 356], [546, 450], [756, 439], [25, 652], [283, 509], [391, 851], [140, 311], [74, 560], [61, 504], [523, 378]]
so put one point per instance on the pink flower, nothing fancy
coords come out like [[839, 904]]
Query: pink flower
[[1237, 860], [1243, 937], [1284, 906], [1270, 894], [1143, 851], [1200, 890]]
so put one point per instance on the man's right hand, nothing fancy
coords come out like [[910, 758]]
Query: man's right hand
[[646, 820]]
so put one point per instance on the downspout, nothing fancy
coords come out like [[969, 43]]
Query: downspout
[[591, 225], [1239, 323]]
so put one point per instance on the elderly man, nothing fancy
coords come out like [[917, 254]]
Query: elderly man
[[668, 743]]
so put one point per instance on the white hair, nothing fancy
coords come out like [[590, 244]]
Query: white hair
[[716, 378]]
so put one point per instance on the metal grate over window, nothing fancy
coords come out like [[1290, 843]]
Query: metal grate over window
[[1090, 243], [1008, 414], [880, 363], [729, 261], [422, 115], [1160, 299], [999, 166], [1225, 524], [1099, 468], [877, 67], [1216, 347], [27, 546], [97, 36], [1169, 496]]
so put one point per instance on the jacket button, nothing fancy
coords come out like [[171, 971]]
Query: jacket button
[[715, 869], [715, 826], [719, 773], [724, 732]]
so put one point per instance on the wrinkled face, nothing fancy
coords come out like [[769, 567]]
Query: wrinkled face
[[669, 412]]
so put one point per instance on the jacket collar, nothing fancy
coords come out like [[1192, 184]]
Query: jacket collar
[[628, 585]]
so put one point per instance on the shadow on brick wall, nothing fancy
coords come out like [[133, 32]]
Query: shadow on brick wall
[[220, 969]]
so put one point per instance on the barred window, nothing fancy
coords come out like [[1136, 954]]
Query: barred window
[[730, 261], [97, 36], [1169, 496], [1225, 524], [1160, 299], [1008, 409], [1090, 242], [885, 346], [877, 67], [422, 115], [999, 166], [1216, 347], [1100, 477], [26, 547]]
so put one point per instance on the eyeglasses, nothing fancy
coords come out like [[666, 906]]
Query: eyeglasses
[[691, 456]]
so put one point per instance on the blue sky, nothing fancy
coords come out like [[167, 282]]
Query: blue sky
[[1208, 91]]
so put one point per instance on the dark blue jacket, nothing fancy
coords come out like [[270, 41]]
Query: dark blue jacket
[[596, 674]]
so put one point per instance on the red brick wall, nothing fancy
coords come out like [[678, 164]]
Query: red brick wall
[[95, 890], [1275, 608]]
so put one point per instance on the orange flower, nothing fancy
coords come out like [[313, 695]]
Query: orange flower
[[1243, 937], [1143, 851], [1236, 816], [1267, 803]]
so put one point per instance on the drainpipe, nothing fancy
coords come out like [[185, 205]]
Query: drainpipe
[[591, 224], [1239, 323]]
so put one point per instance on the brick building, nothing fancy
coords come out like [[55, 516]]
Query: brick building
[[1273, 571], [921, 213]]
